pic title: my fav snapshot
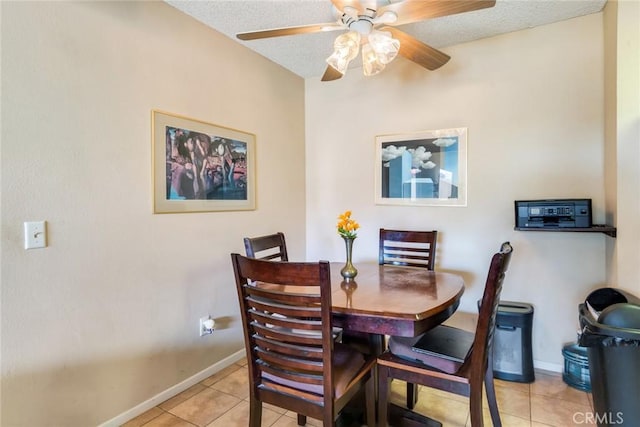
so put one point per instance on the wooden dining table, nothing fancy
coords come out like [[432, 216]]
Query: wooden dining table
[[393, 300]]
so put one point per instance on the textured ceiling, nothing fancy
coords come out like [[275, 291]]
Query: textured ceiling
[[305, 54]]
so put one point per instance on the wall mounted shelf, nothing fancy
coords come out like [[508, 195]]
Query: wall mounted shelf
[[596, 228]]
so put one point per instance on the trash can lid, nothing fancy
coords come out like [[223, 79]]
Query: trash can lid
[[512, 308], [515, 307], [622, 315], [604, 297]]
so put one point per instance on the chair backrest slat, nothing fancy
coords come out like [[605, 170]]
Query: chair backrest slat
[[408, 248], [278, 293], [295, 394], [287, 310], [293, 365], [314, 379], [287, 334], [311, 352], [267, 318]]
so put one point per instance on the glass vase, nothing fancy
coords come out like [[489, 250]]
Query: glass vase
[[348, 271]]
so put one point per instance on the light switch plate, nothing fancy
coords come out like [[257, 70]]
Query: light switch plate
[[35, 234]]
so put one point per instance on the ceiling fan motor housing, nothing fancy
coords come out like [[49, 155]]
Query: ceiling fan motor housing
[[362, 25]]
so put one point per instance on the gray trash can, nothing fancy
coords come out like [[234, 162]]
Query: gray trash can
[[512, 346], [610, 321]]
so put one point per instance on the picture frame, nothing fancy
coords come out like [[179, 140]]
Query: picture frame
[[200, 166], [427, 168]]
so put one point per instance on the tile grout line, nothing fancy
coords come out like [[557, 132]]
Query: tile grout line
[[190, 397], [530, 391]]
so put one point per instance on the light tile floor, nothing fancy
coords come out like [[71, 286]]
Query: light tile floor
[[222, 400]]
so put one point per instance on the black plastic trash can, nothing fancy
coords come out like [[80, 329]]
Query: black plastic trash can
[[610, 322]]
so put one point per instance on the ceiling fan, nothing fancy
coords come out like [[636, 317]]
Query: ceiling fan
[[371, 26]]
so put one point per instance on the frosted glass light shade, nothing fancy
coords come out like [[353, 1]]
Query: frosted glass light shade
[[385, 46], [345, 48], [370, 64]]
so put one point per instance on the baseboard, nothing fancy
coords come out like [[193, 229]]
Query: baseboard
[[546, 366], [173, 390]]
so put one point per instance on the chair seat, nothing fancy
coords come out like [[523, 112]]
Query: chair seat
[[347, 362], [443, 348]]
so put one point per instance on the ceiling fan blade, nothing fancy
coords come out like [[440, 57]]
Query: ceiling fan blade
[[418, 52], [289, 31], [331, 74], [417, 10]]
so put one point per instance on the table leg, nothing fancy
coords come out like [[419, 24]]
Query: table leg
[[412, 395], [398, 416], [377, 346]]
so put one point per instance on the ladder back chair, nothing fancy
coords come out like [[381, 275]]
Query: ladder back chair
[[410, 248], [271, 247], [293, 360], [451, 359]]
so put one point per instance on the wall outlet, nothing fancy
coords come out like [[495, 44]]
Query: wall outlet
[[207, 325]]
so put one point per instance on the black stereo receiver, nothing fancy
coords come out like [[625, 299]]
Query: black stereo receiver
[[553, 213]]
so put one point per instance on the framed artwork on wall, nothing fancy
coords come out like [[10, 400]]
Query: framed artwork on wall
[[201, 167], [426, 168]]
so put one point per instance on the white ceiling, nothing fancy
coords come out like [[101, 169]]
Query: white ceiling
[[305, 54]]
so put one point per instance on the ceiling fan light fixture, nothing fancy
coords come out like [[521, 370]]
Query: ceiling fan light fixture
[[362, 18], [385, 46], [370, 63], [345, 48]]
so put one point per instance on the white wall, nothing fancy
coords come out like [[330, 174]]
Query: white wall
[[622, 83], [533, 105], [106, 316]]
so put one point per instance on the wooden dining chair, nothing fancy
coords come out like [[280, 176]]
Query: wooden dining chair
[[271, 247], [410, 248], [448, 358], [293, 360]]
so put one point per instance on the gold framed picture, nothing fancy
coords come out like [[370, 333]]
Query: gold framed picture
[[201, 167]]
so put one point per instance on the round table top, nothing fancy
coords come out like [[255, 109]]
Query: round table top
[[394, 292]]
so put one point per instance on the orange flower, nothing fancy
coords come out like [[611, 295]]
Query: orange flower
[[347, 227]]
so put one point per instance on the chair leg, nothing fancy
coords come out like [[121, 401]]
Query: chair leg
[[491, 393], [383, 395], [302, 420], [412, 395], [255, 412], [475, 405], [370, 398]]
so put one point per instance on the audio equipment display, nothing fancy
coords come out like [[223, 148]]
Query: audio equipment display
[[553, 213]]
